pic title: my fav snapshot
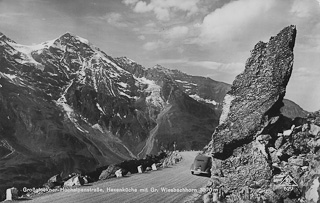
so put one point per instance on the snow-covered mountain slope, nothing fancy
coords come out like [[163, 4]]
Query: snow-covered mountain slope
[[66, 106]]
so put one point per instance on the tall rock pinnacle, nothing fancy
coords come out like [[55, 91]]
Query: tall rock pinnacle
[[250, 122], [256, 93]]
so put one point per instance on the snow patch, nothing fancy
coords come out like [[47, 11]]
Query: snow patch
[[186, 82], [83, 40], [124, 94], [108, 61], [48, 44], [197, 98], [100, 109], [98, 127], [9, 76], [95, 83], [153, 90], [62, 101], [27, 54], [123, 85], [52, 74], [226, 108]]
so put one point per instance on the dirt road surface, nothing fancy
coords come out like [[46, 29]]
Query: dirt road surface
[[146, 188]]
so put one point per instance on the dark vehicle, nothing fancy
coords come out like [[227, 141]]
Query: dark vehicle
[[201, 165]]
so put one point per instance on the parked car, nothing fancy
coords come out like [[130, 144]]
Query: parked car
[[201, 165]]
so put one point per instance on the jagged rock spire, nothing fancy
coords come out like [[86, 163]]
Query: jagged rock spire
[[255, 93]]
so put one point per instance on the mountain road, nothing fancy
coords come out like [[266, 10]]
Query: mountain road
[[172, 184]]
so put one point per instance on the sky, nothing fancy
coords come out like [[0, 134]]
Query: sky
[[210, 38]]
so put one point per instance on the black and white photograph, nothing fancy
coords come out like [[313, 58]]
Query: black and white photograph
[[160, 101]]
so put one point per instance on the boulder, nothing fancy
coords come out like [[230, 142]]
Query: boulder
[[300, 142], [314, 129], [11, 194], [74, 181], [154, 167], [287, 133], [85, 180], [55, 180], [140, 169], [119, 173], [312, 194], [278, 142], [305, 127], [298, 161], [109, 172]]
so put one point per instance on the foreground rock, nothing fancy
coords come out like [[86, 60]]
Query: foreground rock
[[109, 172], [76, 180], [242, 144]]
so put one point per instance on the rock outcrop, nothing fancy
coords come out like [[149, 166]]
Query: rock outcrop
[[241, 145], [109, 172], [256, 94]]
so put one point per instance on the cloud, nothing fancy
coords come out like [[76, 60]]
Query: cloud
[[12, 15], [149, 46], [176, 32], [170, 37], [227, 22], [305, 73], [142, 37], [230, 68], [310, 43], [114, 19], [129, 2], [252, 20], [163, 8], [302, 9]]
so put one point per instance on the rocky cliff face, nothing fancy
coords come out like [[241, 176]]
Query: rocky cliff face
[[242, 144]]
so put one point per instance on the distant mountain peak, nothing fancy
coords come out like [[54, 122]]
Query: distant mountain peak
[[3, 37], [68, 36], [163, 69], [126, 59], [158, 66]]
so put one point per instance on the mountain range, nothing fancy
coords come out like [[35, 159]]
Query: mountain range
[[66, 106]]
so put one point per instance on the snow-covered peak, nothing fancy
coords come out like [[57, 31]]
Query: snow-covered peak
[[127, 60], [162, 69], [69, 36]]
